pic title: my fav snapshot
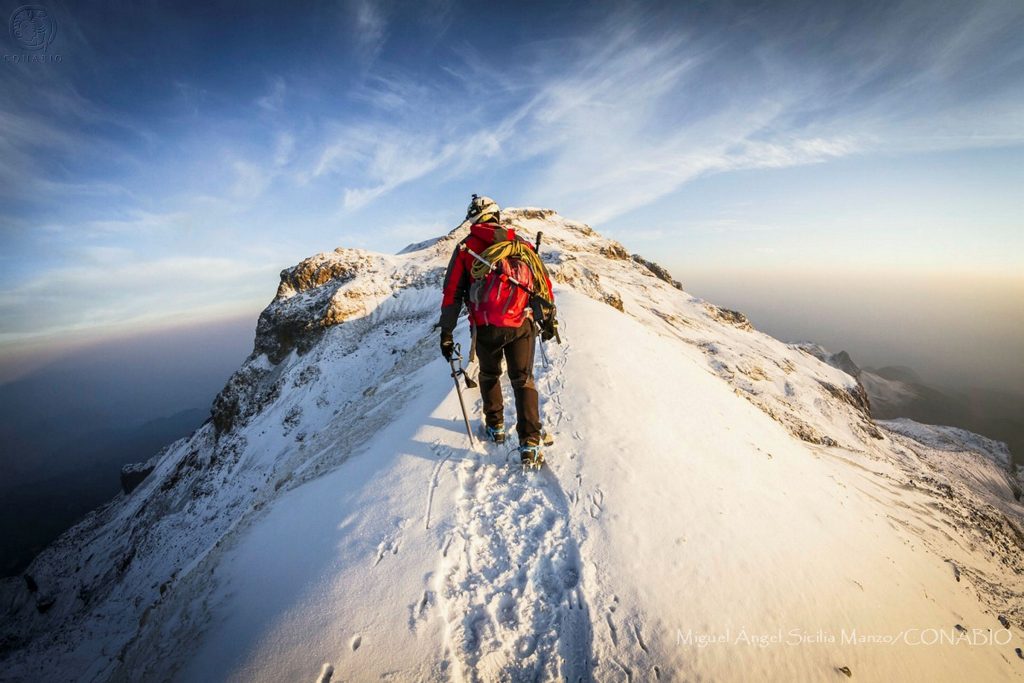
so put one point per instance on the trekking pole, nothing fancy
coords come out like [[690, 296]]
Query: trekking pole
[[456, 371], [540, 338], [540, 341]]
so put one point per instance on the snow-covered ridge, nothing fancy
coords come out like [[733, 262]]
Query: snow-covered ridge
[[330, 510]]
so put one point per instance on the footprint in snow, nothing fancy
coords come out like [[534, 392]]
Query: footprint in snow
[[420, 610], [511, 593], [596, 503]]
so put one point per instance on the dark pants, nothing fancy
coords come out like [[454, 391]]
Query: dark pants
[[517, 345]]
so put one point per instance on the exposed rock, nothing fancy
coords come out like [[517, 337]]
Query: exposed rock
[[657, 270], [843, 361], [134, 474], [309, 374], [44, 603], [614, 250], [245, 393], [584, 279], [344, 305], [528, 212], [513, 216], [855, 395], [310, 298], [292, 418], [840, 360], [316, 271], [734, 318], [788, 419], [280, 330], [753, 371], [614, 300], [952, 439]]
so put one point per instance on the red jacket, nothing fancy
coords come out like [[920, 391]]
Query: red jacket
[[457, 279]]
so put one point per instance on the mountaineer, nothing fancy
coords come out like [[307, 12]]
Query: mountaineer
[[502, 281]]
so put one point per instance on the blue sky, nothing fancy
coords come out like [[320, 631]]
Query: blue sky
[[178, 156]]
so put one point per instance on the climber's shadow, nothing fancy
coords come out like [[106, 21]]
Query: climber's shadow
[[454, 424], [460, 447]]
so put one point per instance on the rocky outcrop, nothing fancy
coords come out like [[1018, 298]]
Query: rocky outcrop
[[321, 292], [853, 395], [528, 213], [254, 386], [615, 301], [729, 317], [134, 474], [614, 250], [338, 267], [657, 271], [843, 361], [840, 360], [308, 300]]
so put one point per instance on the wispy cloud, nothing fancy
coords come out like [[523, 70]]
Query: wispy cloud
[[384, 157], [273, 100], [601, 125], [135, 223], [604, 124], [115, 286], [625, 116], [369, 27], [600, 115], [284, 149], [250, 180]]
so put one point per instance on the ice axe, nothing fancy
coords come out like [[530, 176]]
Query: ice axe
[[456, 371], [540, 339]]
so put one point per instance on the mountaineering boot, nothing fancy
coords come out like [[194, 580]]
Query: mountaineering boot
[[495, 434], [531, 456]]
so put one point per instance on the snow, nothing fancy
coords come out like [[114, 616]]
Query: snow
[[657, 518], [707, 483], [951, 439]]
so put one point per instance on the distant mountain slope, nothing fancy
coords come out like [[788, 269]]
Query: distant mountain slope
[[34, 513], [718, 506], [897, 391]]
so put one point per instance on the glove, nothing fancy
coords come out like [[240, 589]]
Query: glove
[[549, 328], [447, 345], [547, 331]]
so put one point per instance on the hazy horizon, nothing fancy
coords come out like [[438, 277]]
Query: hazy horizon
[[957, 331]]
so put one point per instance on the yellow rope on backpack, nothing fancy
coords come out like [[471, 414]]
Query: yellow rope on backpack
[[514, 249]]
